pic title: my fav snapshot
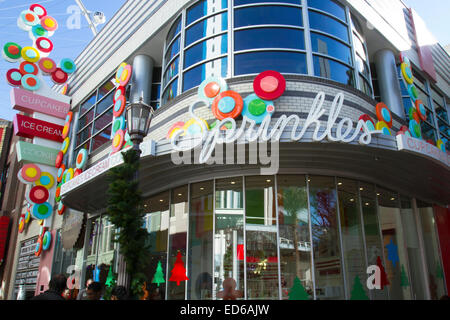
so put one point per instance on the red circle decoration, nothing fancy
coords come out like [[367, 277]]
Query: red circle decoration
[[236, 110], [384, 114], [77, 172], [120, 91], [31, 172], [28, 68], [61, 208], [44, 44], [269, 85], [369, 122], [59, 76], [118, 140], [119, 106], [420, 109], [14, 77], [38, 194], [59, 159], [39, 10], [47, 65]]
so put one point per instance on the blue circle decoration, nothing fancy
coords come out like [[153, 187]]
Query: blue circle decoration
[[42, 211], [67, 65], [32, 77], [46, 240], [226, 104], [119, 123], [257, 118], [370, 125], [414, 129], [201, 89], [386, 115]]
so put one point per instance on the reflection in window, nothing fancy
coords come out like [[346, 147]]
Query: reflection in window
[[207, 27], [88, 103], [283, 62], [204, 8], [252, 16], [330, 69], [174, 30], [294, 237], [261, 237], [207, 49], [156, 221], [170, 92], [318, 21], [229, 240], [325, 235], [329, 46], [101, 138], [329, 6], [352, 240], [269, 38], [396, 266], [179, 210], [196, 75], [432, 251], [200, 246], [241, 2]]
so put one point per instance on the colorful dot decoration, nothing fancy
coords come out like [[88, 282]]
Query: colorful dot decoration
[[383, 127], [68, 175], [421, 111], [38, 248], [14, 77], [174, 128], [59, 175], [31, 172], [211, 87], [30, 82], [193, 127], [27, 216], [59, 76], [412, 91], [269, 85], [49, 23], [58, 192], [46, 180], [61, 208], [59, 159], [64, 89], [28, 68], [120, 91], [38, 194], [65, 145], [226, 126], [441, 145], [44, 44], [119, 123], [47, 65], [38, 31], [369, 122], [12, 52], [67, 65], [257, 109], [30, 54], [46, 240], [42, 211], [27, 19], [22, 223], [407, 73], [123, 74], [119, 106], [118, 140], [38, 10], [82, 158], [384, 114], [414, 129], [77, 172], [228, 104]]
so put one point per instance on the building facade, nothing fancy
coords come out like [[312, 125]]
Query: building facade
[[334, 207]]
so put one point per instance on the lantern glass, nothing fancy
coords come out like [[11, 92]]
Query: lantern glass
[[139, 116]]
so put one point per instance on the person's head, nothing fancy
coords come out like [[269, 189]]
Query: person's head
[[118, 293], [94, 291], [58, 283], [88, 282]]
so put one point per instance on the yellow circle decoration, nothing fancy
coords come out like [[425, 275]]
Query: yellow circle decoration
[[30, 54]]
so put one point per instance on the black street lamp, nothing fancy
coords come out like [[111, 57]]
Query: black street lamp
[[139, 116]]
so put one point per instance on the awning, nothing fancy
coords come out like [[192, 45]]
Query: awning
[[4, 226]]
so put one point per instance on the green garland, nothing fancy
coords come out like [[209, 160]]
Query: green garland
[[125, 212]]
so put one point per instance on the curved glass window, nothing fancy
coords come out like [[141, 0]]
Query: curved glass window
[[333, 70], [174, 30], [256, 62], [171, 71], [330, 7], [196, 75], [252, 16], [206, 28], [171, 92], [204, 8], [318, 21], [331, 47], [173, 50], [269, 38], [241, 2], [208, 49]]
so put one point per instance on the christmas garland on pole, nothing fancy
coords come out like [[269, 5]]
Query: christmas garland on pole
[[125, 212]]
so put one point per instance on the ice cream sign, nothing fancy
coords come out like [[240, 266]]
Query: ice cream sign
[[29, 128]]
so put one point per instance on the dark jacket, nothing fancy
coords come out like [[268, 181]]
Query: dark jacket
[[48, 295]]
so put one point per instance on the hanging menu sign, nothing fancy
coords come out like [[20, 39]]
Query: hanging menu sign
[[28, 265]]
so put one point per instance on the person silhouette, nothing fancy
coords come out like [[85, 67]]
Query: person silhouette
[[229, 291]]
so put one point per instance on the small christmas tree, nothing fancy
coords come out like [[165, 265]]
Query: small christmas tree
[[178, 271], [159, 275], [110, 278], [358, 292], [384, 279], [297, 291], [404, 282]]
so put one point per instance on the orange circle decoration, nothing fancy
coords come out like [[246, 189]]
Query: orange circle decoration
[[47, 65], [174, 128], [38, 194], [383, 126], [38, 10], [60, 173], [58, 192], [81, 159], [28, 68], [420, 109], [44, 44], [49, 23], [59, 159], [69, 117], [118, 140], [21, 223], [269, 85], [14, 77], [27, 20], [30, 82], [228, 104], [31, 172], [211, 87], [59, 76], [30, 54], [61, 208], [384, 114], [38, 248]]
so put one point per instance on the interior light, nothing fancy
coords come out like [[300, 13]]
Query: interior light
[[232, 182], [180, 194], [352, 200], [268, 180], [340, 184]]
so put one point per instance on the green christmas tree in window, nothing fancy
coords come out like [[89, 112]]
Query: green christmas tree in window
[[159, 275], [297, 291], [358, 292], [110, 278], [404, 282]]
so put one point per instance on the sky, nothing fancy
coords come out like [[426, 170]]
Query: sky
[[69, 42]]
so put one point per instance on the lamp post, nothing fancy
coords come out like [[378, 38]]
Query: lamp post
[[139, 116]]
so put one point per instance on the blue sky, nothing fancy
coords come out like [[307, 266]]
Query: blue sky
[[69, 42]]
